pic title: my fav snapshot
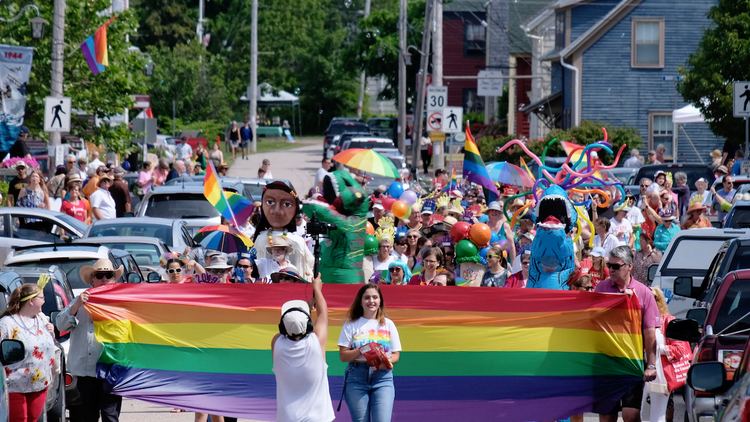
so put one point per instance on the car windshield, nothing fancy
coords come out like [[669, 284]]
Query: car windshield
[[683, 257], [71, 268], [144, 253], [339, 128], [76, 224], [740, 219], [161, 232], [371, 145], [180, 205], [735, 305], [255, 189], [693, 173]]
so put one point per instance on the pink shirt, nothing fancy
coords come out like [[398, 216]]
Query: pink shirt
[[649, 311]]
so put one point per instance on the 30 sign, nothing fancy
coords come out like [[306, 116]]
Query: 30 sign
[[437, 98]]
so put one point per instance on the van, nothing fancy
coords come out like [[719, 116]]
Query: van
[[689, 254]]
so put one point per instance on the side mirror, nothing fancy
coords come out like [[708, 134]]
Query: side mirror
[[706, 376], [153, 277], [683, 286], [134, 278], [11, 351], [697, 314], [684, 329], [652, 271]]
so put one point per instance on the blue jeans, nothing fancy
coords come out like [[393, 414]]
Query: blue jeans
[[369, 396]]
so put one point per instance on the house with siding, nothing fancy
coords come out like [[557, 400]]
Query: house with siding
[[616, 61], [464, 54]]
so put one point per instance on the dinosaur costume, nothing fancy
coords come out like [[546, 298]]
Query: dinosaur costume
[[552, 256], [343, 203]]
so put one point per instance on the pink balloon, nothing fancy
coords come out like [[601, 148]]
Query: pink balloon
[[388, 202]]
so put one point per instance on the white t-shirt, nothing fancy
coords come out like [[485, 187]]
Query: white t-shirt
[[635, 216], [381, 266], [355, 334], [102, 200], [610, 243], [302, 392], [266, 267], [268, 175], [320, 175], [621, 231]]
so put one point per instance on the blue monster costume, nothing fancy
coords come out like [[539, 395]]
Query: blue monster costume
[[552, 255]]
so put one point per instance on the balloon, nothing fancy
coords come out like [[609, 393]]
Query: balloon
[[465, 249], [396, 189], [371, 243], [483, 251], [387, 202], [370, 228], [480, 234], [399, 209], [408, 211], [460, 231], [409, 197], [494, 238]]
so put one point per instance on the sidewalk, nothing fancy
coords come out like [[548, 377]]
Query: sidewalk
[[297, 165]]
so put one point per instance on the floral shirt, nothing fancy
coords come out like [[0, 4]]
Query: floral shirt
[[34, 372]]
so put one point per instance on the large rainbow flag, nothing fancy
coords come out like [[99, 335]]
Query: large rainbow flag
[[474, 169], [95, 49], [478, 354]]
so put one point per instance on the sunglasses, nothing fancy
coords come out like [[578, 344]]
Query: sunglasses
[[525, 262], [286, 277], [413, 236], [493, 256], [401, 244], [588, 289], [244, 267], [100, 276], [174, 270], [615, 266], [395, 269], [217, 271]]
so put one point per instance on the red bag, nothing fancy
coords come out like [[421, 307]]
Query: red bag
[[429, 149], [675, 371]]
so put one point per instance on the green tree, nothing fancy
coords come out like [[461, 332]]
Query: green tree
[[165, 23], [104, 95], [721, 59]]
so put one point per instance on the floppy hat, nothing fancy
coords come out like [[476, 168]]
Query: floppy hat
[[290, 271], [295, 322], [100, 266], [696, 207], [74, 177], [715, 153], [722, 169], [494, 205], [435, 229], [104, 177], [278, 242], [450, 221], [219, 263]]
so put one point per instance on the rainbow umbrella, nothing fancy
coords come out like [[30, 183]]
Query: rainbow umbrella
[[223, 238], [368, 161], [509, 174]]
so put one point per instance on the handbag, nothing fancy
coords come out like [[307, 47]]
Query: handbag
[[675, 371], [429, 149]]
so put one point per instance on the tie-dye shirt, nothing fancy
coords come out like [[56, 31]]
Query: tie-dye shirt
[[356, 334]]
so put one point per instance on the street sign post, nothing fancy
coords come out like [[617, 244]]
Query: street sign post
[[742, 108], [434, 121], [437, 98], [452, 119], [57, 114], [141, 101], [437, 136]]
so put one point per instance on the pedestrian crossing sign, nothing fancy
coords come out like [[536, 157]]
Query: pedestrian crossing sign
[[57, 114]]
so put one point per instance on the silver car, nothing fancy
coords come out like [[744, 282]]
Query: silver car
[[170, 231], [181, 203], [29, 226]]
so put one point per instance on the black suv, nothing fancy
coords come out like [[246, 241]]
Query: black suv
[[340, 125]]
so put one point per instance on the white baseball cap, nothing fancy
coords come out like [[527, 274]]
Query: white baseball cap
[[295, 322]]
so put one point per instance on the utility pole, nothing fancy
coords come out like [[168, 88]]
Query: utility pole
[[416, 134], [402, 22], [199, 29], [437, 74], [363, 75], [253, 94], [498, 56], [58, 57]]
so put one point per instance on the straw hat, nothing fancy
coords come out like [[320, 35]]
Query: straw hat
[[696, 207], [279, 242], [290, 271], [100, 266], [716, 153]]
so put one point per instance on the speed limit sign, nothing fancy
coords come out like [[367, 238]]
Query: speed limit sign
[[437, 98]]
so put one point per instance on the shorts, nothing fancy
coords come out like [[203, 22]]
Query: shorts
[[246, 143], [632, 399], [234, 144]]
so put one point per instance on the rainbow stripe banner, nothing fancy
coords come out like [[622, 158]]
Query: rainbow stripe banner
[[95, 49], [474, 169], [474, 353], [213, 191]]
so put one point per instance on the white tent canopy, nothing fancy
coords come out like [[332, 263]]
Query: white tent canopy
[[687, 114]]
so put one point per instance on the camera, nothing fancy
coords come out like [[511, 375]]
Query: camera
[[316, 227]]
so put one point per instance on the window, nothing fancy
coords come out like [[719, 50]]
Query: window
[[471, 101], [660, 134], [560, 31], [474, 40], [647, 44]]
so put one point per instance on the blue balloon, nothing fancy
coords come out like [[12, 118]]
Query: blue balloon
[[484, 218], [494, 238], [483, 251], [396, 189]]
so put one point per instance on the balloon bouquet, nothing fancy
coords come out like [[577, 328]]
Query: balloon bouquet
[[472, 243], [552, 257]]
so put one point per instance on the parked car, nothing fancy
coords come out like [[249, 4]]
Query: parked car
[[334, 147], [385, 127], [725, 323], [28, 226], [180, 202], [339, 126], [70, 259], [694, 171], [740, 183], [734, 254], [173, 232], [57, 295], [623, 174], [228, 184], [146, 251], [739, 216], [254, 186], [689, 254]]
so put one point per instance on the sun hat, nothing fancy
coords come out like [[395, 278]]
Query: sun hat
[[598, 251], [280, 242], [623, 207], [715, 153], [450, 221], [104, 177], [295, 322], [494, 205], [290, 271], [100, 266], [378, 206], [696, 207], [435, 229], [74, 177], [659, 173], [700, 180], [219, 263], [667, 215], [722, 169], [528, 235]]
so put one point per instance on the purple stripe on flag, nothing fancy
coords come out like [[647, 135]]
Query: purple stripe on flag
[[263, 409], [87, 47]]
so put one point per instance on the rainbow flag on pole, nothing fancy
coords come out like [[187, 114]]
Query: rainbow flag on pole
[[477, 354], [215, 194], [453, 185], [95, 49], [474, 168]]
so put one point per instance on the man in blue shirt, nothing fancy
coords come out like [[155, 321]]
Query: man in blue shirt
[[739, 155], [724, 196], [246, 135]]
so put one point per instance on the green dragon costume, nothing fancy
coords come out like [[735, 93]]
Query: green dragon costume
[[345, 204]]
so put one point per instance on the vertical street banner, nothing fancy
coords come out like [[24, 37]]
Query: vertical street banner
[[15, 68]]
